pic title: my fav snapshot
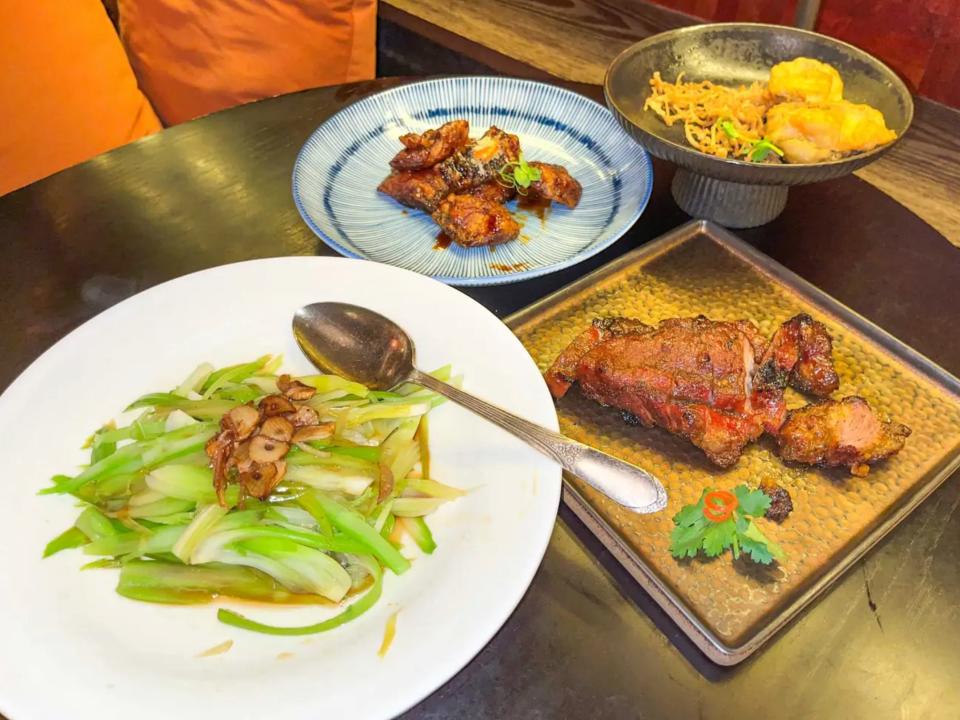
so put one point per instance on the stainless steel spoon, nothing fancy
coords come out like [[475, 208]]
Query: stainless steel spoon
[[364, 346]]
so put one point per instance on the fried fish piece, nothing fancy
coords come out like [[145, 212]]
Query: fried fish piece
[[556, 184], [480, 162], [420, 189], [426, 149], [494, 191], [472, 221]]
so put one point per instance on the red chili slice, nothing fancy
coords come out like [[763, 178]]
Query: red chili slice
[[718, 505]]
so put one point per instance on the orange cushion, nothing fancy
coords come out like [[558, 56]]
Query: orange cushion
[[67, 91], [197, 56]]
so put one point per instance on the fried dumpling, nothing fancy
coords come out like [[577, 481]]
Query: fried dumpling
[[817, 132], [807, 80]]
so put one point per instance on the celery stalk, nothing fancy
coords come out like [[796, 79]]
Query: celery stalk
[[354, 525], [159, 508], [271, 366], [69, 538], [203, 524], [138, 430], [133, 543], [194, 380], [232, 374], [420, 532], [135, 456], [328, 479], [338, 462], [114, 486], [239, 394], [101, 448], [205, 409], [310, 504], [401, 451], [94, 524], [369, 454], [435, 489], [209, 549], [382, 515], [329, 383], [164, 582], [367, 601], [295, 566], [415, 507], [385, 410], [189, 482]]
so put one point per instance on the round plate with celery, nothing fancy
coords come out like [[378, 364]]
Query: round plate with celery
[[198, 523]]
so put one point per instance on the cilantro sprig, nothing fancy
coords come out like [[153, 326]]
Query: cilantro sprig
[[759, 150], [728, 127], [519, 175], [695, 531]]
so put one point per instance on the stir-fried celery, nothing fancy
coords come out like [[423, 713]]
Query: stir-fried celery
[[191, 504], [353, 611]]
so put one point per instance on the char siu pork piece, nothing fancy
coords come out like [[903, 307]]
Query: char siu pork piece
[[803, 349], [781, 504], [471, 221], [697, 378], [840, 433], [431, 147], [563, 373], [420, 189], [480, 162], [691, 376], [494, 191], [556, 184]]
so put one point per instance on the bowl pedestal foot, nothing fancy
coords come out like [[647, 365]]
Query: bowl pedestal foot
[[731, 204]]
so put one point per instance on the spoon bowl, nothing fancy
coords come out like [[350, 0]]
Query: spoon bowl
[[355, 343]]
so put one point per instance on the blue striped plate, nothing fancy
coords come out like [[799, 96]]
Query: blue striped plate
[[336, 175]]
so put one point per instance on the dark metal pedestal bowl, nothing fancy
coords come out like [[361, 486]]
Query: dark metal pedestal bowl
[[737, 193]]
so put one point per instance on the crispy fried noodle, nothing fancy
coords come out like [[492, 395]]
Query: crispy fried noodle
[[702, 106]]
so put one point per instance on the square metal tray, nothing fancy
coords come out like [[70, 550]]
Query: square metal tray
[[729, 609]]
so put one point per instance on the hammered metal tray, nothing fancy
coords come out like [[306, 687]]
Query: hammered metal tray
[[729, 609]]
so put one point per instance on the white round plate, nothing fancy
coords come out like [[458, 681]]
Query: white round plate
[[70, 647], [336, 175]]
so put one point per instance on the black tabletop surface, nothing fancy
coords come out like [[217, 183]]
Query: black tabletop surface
[[585, 641]]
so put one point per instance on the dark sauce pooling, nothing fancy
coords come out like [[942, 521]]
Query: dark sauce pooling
[[536, 205], [516, 267], [443, 242]]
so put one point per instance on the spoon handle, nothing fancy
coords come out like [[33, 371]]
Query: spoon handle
[[622, 482]]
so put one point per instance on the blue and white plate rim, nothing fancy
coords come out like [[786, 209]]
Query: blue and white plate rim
[[474, 281]]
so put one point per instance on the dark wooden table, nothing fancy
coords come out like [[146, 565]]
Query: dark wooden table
[[585, 642]]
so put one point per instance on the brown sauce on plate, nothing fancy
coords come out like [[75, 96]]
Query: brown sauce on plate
[[443, 242], [535, 206], [516, 267], [217, 649]]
